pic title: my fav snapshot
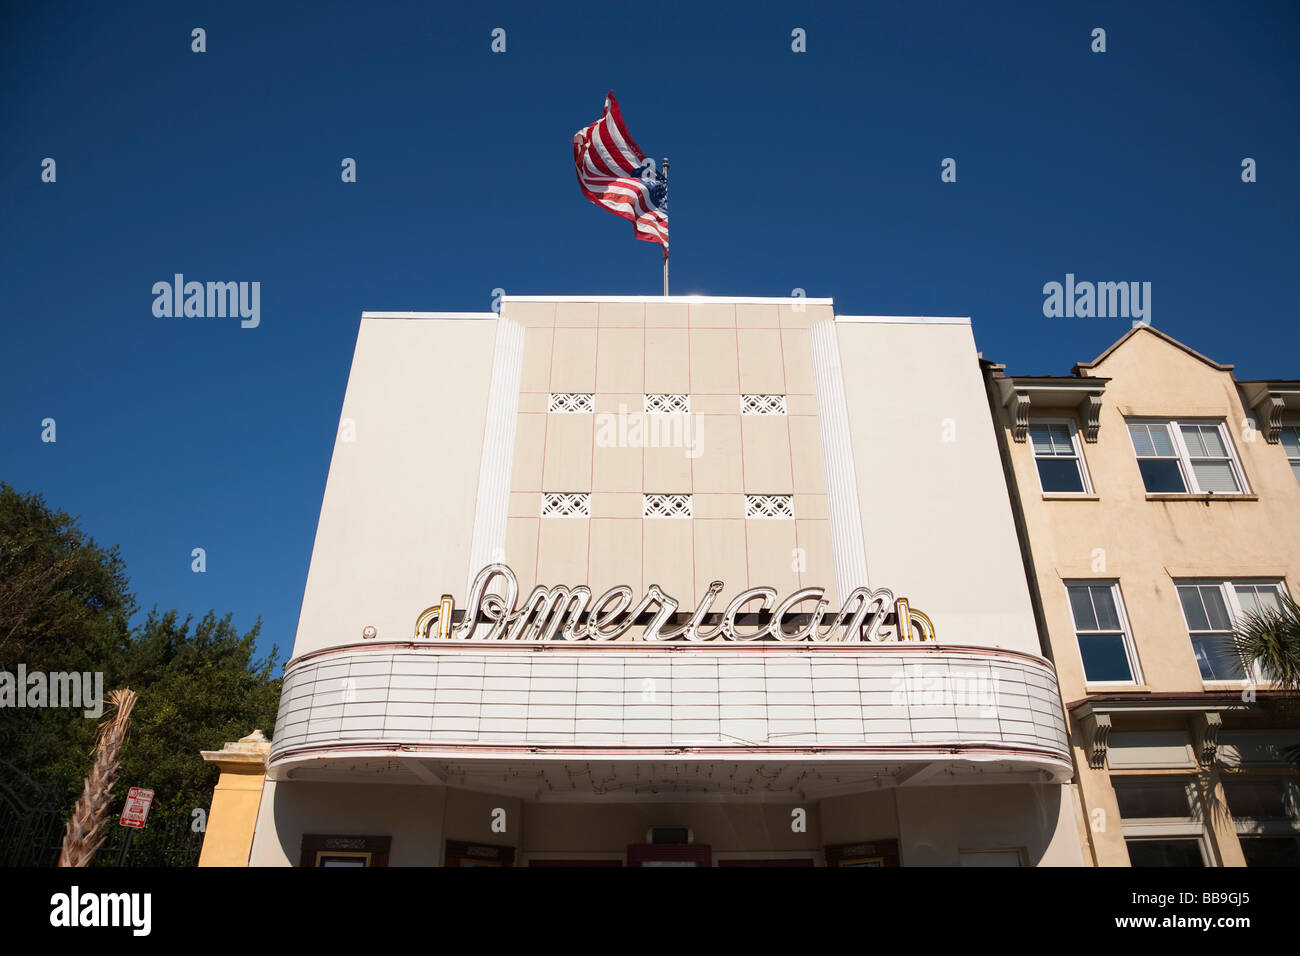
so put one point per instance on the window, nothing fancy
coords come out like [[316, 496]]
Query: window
[[1145, 851], [1271, 851], [1211, 609], [1056, 452], [1291, 442], [1101, 628], [1262, 799], [1145, 798], [1266, 816], [1161, 821], [1186, 457]]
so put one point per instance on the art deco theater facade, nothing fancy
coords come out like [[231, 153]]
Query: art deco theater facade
[[666, 581]]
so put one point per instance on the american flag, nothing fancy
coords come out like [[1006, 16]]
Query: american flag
[[614, 173]]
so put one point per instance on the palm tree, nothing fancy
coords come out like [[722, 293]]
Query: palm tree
[[85, 830], [1270, 640]]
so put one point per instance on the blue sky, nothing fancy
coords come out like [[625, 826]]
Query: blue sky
[[818, 170]]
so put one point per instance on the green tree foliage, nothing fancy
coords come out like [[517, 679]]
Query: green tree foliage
[[62, 597], [200, 684], [65, 604]]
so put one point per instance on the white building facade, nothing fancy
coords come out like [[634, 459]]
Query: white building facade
[[666, 581]]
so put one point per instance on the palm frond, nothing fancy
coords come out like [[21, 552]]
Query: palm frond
[[1271, 640], [85, 830]]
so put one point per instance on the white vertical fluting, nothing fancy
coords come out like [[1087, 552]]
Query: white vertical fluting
[[489, 542], [837, 455]]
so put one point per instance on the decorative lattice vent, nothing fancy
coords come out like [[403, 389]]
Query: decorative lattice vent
[[769, 506], [666, 506], [762, 404], [576, 403], [668, 404], [557, 504]]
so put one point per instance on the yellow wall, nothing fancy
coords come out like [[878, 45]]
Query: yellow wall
[[232, 816], [1147, 543]]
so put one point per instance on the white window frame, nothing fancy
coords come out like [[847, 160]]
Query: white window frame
[[1130, 646], [1078, 455], [1293, 462], [1184, 458], [1228, 588]]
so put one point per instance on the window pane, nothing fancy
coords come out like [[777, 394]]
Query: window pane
[[1213, 439], [1255, 598], [1141, 440], [1193, 440], [1248, 600], [1161, 439], [1041, 436], [1295, 470], [1147, 799], [1217, 657], [1060, 474], [1291, 442], [1215, 475], [1216, 607], [1269, 599], [1165, 853], [1061, 439], [1271, 851], [1190, 596], [1104, 657], [1258, 799], [1103, 599], [1161, 475], [1084, 619]]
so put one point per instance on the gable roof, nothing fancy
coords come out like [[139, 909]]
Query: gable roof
[[1081, 368]]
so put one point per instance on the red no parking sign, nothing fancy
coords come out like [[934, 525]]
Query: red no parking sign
[[137, 807]]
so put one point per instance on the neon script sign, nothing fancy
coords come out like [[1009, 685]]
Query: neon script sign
[[567, 613]]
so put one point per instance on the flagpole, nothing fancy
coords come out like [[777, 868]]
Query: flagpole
[[665, 251]]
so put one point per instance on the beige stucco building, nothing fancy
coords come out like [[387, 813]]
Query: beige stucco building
[[785, 635], [1158, 499]]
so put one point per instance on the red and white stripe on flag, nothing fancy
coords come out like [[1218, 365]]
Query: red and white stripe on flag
[[610, 171]]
